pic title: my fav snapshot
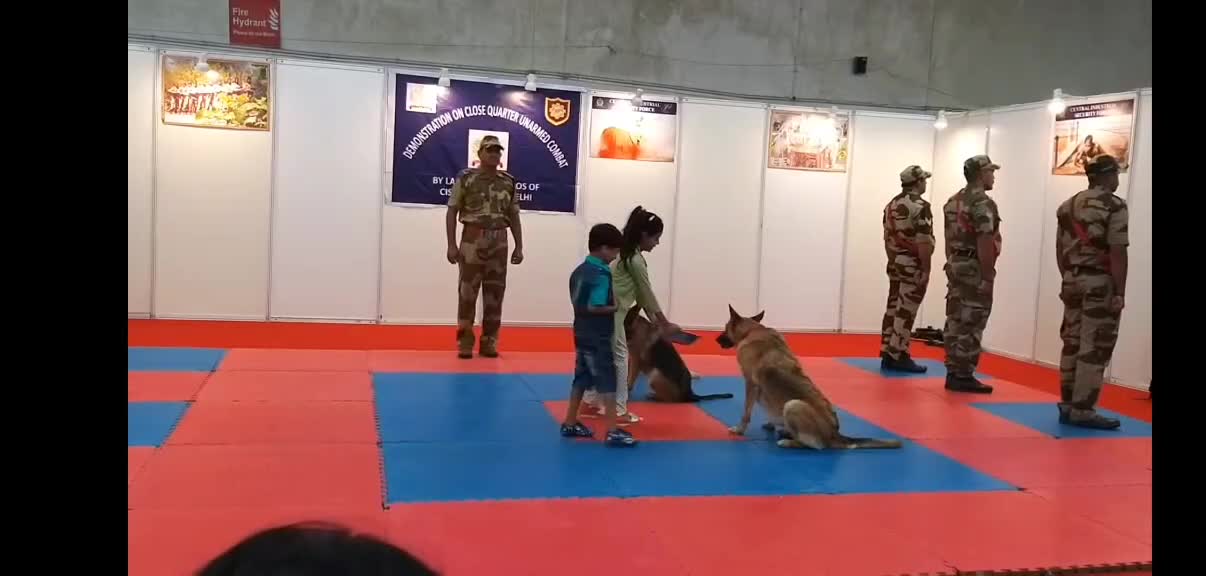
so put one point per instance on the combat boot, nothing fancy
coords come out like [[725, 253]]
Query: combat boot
[[966, 384], [903, 364], [1089, 419], [488, 349], [464, 346]]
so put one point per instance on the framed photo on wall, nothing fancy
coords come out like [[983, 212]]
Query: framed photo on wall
[[809, 141], [228, 94], [1083, 131]]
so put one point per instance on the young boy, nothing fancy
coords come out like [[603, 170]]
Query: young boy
[[594, 307]]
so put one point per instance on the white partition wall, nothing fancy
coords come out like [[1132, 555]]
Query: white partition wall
[[327, 204], [965, 136], [1017, 141], [884, 145], [803, 225], [615, 187], [719, 190], [1050, 308], [212, 190], [140, 72], [1133, 355]]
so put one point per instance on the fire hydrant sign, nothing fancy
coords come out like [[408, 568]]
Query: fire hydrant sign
[[255, 23]]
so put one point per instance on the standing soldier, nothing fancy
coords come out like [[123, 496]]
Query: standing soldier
[[909, 241], [484, 198], [973, 242], [1091, 253]]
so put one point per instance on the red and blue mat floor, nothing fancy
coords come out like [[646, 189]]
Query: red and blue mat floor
[[460, 462]]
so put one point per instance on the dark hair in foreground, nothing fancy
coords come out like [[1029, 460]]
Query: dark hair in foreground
[[314, 549], [604, 235], [641, 223]]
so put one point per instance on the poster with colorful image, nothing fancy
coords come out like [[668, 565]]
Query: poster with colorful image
[[1083, 131], [809, 141], [217, 94], [621, 130]]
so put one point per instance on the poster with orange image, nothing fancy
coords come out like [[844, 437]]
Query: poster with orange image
[[620, 130]]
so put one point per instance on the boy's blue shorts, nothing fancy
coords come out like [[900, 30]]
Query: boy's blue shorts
[[595, 367]]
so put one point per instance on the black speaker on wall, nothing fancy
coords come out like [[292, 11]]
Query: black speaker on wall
[[860, 65]]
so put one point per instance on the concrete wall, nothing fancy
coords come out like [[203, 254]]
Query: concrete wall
[[935, 53]]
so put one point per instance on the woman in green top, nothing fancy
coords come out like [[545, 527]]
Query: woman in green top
[[630, 279]]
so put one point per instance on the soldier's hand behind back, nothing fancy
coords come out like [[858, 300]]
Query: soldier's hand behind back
[[454, 254]]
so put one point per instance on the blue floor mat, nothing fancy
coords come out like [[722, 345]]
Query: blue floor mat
[[1044, 417], [935, 368], [460, 408], [150, 423], [173, 359]]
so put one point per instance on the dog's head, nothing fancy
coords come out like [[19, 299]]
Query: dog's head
[[738, 328]]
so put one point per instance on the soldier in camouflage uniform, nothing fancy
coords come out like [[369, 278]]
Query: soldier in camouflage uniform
[[973, 242], [909, 242], [484, 200], [1091, 252]]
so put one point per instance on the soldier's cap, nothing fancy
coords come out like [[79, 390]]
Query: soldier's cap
[[489, 142], [1103, 164], [913, 174], [980, 162]]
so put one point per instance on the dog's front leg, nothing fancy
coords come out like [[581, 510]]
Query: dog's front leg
[[751, 396]]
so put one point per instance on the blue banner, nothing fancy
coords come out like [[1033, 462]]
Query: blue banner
[[437, 132]]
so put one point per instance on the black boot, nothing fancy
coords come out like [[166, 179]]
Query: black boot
[[904, 364], [1090, 419], [967, 384]]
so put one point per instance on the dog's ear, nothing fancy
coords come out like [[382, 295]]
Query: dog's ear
[[733, 315], [758, 317]]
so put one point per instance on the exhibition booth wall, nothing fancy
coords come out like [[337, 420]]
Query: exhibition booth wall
[[300, 217]]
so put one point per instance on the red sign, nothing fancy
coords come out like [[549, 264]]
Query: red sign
[[255, 23]]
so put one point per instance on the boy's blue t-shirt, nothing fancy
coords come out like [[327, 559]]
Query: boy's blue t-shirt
[[590, 285]]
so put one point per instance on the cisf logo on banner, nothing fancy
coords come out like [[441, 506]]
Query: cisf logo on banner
[[255, 23], [556, 110]]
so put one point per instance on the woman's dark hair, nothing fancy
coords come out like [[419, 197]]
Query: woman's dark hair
[[640, 223], [314, 549]]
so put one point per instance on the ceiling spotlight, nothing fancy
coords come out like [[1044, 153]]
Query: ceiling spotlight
[[444, 80], [637, 100], [1057, 104], [940, 123], [530, 86]]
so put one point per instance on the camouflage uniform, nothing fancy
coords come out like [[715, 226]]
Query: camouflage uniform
[[967, 215], [908, 224], [486, 206], [1090, 223]]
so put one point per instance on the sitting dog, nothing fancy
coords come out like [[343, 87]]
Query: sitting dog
[[773, 376], [649, 353]]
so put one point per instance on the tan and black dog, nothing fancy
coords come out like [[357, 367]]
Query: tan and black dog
[[649, 353], [774, 377]]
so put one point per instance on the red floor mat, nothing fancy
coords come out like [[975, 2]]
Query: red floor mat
[[1126, 509], [297, 360], [163, 542], [163, 386], [287, 386], [136, 459], [276, 423], [1045, 462], [345, 476], [938, 418]]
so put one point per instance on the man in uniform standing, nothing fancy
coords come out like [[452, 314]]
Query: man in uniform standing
[[973, 242], [909, 242], [1091, 252], [484, 200]]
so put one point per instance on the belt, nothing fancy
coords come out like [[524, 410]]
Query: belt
[[1086, 270], [472, 226], [964, 252]]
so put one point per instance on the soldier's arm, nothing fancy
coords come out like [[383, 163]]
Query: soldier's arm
[[984, 216], [1118, 239], [516, 227], [925, 238], [454, 207]]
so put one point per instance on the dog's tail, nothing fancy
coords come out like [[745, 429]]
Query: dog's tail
[[865, 443], [698, 397]]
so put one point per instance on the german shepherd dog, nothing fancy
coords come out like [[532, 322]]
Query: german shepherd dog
[[649, 353], [798, 410]]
